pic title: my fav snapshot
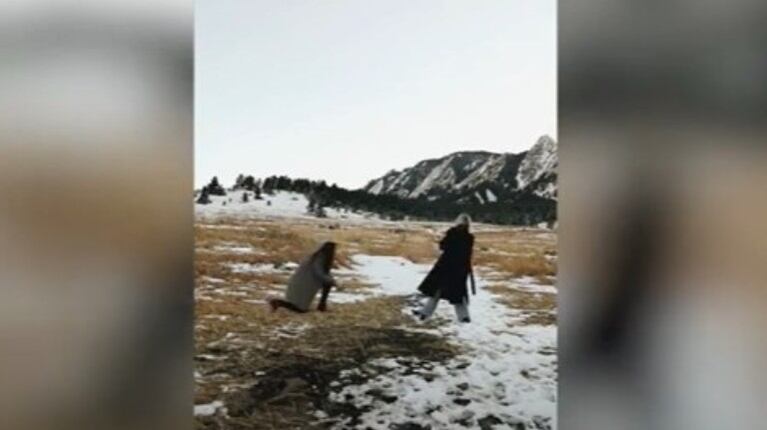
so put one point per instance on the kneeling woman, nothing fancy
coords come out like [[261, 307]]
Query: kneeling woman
[[447, 279], [311, 276]]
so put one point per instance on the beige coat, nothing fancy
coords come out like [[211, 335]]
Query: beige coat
[[306, 281]]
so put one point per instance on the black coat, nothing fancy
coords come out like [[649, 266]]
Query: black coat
[[450, 272]]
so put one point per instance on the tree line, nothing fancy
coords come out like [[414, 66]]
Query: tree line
[[521, 209]]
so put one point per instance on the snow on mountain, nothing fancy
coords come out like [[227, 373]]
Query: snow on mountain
[[490, 196], [478, 196], [490, 169], [440, 176], [540, 162], [478, 176], [377, 187], [437, 176]]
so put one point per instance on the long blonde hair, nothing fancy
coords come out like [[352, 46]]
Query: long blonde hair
[[463, 219]]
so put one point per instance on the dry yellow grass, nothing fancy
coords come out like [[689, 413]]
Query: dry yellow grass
[[241, 345], [534, 266], [517, 253], [537, 308]]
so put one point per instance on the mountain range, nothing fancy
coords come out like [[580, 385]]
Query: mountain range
[[476, 177]]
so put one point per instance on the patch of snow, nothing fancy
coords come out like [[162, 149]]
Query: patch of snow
[[290, 265], [532, 285], [290, 330], [217, 317], [235, 249], [211, 357], [208, 408], [255, 301], [392, 275], [251, 268], [226, 292]]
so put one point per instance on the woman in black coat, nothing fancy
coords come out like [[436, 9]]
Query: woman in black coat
[[447, 279]]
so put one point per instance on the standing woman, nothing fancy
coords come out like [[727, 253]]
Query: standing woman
[[447, 279], [311, 276]]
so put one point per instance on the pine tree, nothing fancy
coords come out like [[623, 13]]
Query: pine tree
[[248, 183], [238, 183], [215, 189], [257, 190], [312, 206], [268, 186], [204, 198]]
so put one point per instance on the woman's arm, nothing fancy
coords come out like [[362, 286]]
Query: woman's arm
[[446, 239], [473, 284], [327, 283], [320, 273], [471, 266]]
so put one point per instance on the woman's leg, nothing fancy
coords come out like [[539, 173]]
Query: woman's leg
[[428, 307], [323, 305], [279, 303], [462, 311]]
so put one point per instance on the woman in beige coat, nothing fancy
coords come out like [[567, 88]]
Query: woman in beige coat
[[311, 276]]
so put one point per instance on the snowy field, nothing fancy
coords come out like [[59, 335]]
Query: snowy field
[[368, 363], [507, 375], [281, 204]]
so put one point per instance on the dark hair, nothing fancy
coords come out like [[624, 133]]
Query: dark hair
[[327, 252]]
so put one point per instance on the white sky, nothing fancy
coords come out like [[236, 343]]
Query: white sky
[[345, 90]]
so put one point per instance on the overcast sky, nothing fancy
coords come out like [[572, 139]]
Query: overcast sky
[[347, 90]]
